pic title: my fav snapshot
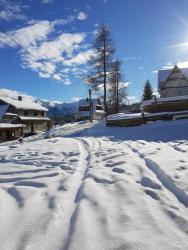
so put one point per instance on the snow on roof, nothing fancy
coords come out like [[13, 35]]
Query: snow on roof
[[165, 99], [3, 109], [11, 114], [37, 118], [163, 74], [123, 116], [9, 125], [24, 104]]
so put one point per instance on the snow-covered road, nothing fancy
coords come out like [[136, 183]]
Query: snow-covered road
[[105, 189]]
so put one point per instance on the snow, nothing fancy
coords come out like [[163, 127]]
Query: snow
[[124, 116], [11, 114], [9, 125], [40, 118], [24, 104], [95, 187]]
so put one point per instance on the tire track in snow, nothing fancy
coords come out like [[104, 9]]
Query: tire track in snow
[[83, 168]]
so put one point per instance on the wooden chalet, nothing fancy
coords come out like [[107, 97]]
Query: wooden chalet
[[173, 82], [29, 116]]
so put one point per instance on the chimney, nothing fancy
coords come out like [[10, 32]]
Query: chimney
[[20, 98]]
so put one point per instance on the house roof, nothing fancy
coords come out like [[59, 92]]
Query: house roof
[[165, 73], [10, 125], [3, 109], [33, 118], [24, 104]]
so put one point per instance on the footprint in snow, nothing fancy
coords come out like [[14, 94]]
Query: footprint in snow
[[118, 170], [147, 182], [152, 194]]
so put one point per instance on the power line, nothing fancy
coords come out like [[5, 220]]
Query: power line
[[27, 51]]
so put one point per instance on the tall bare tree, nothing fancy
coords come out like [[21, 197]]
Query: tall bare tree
[[101, 62], [117, 88]]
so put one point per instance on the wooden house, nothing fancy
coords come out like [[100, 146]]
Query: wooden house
[[173, 82], [29, 115]]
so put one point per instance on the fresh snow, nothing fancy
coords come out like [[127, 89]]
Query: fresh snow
[[9, 125], [24, 104], [92, 187]]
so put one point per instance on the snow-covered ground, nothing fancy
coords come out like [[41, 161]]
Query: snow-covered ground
[[97, 188]]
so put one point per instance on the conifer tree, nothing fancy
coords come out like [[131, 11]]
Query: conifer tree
[[148, 91]]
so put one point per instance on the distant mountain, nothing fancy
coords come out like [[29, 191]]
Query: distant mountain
[[55, 108], [59, 108]]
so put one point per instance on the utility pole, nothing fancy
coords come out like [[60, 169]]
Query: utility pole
[[90, 107]]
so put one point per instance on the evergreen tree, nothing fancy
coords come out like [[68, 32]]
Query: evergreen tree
[[101, 62], [148, 91]]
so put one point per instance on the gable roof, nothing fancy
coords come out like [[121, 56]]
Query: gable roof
[[165, 73], [24, 104], [3, 109]]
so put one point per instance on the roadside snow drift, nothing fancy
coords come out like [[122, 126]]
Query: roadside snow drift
[[99, 189]]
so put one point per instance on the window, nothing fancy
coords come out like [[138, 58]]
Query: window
[[84, 108], [25, 113], [98, 108]]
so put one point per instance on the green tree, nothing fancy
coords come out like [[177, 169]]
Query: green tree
[[148, 91]]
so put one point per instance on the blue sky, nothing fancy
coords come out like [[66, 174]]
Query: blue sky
[[148, 34]]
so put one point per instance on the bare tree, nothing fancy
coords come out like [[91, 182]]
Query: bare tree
[[117, 88], [101, 62]]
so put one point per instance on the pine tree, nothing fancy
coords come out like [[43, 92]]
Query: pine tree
[[101, 62], [148, 91]]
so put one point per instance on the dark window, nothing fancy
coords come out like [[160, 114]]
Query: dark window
[[25, 113], [42, 113], [84, 108], [98, 108], [35, 113]]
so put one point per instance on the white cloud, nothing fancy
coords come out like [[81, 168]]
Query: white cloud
[[47, 1], [10, 10], [132, 99], [29, 35], [154, 71], [75, 99], [82, 16], [123, 85], [49, 51], [156, 93], [141, 68], [132, 58], [80, 58], [182, 64], [14, 94]]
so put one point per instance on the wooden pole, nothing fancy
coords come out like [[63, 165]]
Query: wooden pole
[[90, 107]]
